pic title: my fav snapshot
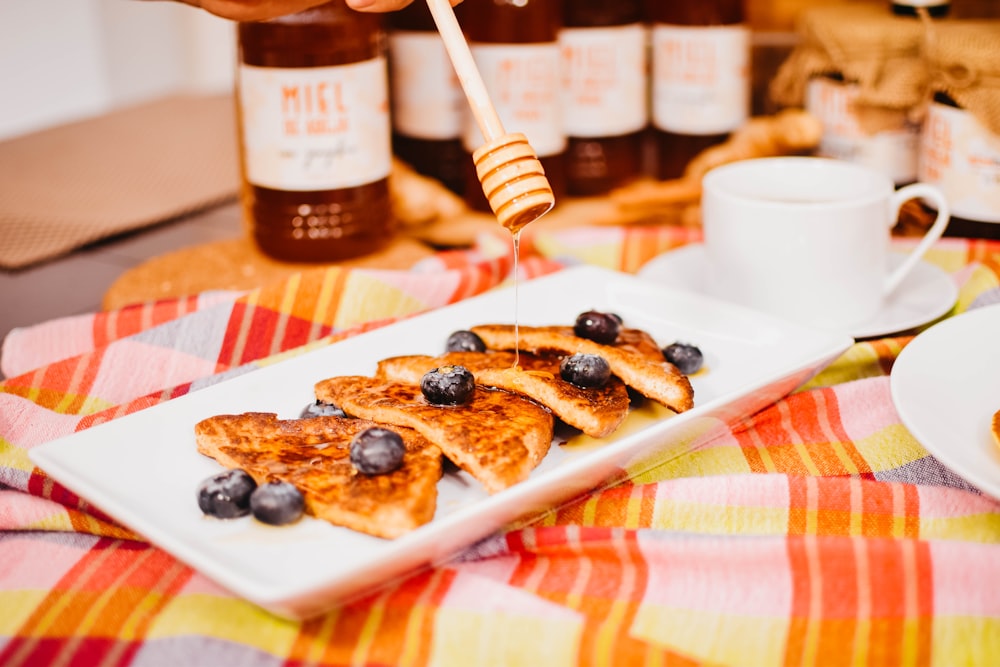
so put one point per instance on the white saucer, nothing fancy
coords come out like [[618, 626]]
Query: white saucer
[[925, 294]]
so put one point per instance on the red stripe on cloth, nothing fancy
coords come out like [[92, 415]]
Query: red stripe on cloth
[[983, 251], [625, 505], [641, 244], [390, 627], [134, 405], [482, 276], [599, 572], [61, 386], [802, 435], [88, 652], [246, 338], [41, 485], [129, 320], [113, 587], [828, 506], [871, 605]]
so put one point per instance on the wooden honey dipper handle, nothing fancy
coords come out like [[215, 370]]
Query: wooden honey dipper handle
[[508, 168], [465, 67]]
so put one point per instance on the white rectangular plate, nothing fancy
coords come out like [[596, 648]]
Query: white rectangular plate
[[143, 469]]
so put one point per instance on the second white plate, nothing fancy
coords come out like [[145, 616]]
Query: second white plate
[[946, 386]]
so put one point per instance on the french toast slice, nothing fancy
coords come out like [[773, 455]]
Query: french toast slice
[[995, 427], [497, 437], [313, 454], [597, 412], [633, 361]]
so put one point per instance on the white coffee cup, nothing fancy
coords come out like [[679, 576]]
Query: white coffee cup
[[807, 238]]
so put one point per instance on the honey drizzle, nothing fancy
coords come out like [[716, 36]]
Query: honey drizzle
[[516, 238]]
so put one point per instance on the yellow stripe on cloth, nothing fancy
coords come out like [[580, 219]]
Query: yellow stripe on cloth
[[231, 619], [980, 280], [978, 528], [713, 637], [366, 298], [463, 637], [671, 514], [705, 462], [965, 640], [889, 448], [18, 606]]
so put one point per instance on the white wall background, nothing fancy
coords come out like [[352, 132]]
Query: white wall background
[[61, 60]]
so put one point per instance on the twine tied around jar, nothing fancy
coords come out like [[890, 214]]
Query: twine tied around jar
[[963, 62], [865, 46]]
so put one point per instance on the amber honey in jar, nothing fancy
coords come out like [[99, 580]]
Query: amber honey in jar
[[315, 135], [604, 93], [428, 104], [700, 77], [515, 46]]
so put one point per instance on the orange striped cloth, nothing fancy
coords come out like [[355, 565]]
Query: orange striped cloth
[[815, 532]]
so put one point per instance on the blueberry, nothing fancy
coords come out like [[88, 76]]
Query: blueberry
[[377, 451], [321, 409], [585, 370], [277, 503], [597, 326], [227, 494], [687, 358], [464, 341], [448, 385]]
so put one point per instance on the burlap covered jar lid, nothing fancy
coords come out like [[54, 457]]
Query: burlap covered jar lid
[[963, 61], [867, 45]]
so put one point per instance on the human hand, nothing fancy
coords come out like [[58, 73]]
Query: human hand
[[259, 10], [384, 5]]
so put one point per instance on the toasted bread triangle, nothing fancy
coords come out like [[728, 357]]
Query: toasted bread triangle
[[633, 361], [497, 437], [313, 455], [597, 412]]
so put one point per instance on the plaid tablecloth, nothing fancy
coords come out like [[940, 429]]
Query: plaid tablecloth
[[816, 532]]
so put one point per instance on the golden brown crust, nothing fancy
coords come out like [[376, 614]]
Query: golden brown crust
[[313, 455], [597, 412], [497, 437], [996, 427], [655, 379]]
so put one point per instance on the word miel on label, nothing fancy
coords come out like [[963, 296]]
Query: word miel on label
[[314, 109]]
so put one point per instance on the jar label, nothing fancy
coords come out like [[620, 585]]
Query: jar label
[[892, 150], [960, 156], [603, 80], [317, 128], [523, 83], [701, 78], [427, 99]]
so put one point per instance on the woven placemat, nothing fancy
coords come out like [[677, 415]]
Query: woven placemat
[[71, 185], [234, 264]]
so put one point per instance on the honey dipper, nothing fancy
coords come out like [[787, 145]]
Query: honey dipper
[[507, 166]]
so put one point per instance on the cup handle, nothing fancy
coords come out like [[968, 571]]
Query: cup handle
[[904, 194]]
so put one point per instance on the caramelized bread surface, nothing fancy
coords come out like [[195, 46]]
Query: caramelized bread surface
[[313, 455], [597, 412], [995, 427], [632, 360], [497, 437]]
